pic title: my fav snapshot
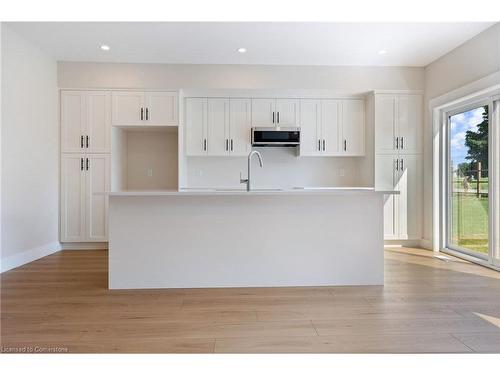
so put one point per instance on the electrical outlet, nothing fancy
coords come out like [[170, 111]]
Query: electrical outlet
[[341, 172], [150, 172]]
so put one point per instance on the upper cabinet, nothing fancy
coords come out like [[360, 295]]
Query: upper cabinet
[[275, 112], [332, 127], [398, 123], [151, 108], [218, 126], [85, 121]]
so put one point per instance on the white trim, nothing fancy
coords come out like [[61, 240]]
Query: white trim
[[470, 258], [426, 244], [84, 246], [400, 92], [402, 243], [17, 260]]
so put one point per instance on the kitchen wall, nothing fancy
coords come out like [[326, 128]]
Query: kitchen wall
[[471, 61], [282, 167], [29, 152]]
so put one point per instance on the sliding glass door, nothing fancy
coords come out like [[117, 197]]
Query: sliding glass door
[[468, 181]]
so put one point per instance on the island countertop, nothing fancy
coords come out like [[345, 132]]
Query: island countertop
[[257, 191]]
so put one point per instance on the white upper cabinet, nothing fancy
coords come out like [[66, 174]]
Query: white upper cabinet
[[275, 112], [218, 127], [196, 126], [409, 122], [263, 112], [398, 123], [353, 127], [330, 127], [310, 127], [128, 108], [85, 121], [287, 112], [135, 108], [73, 121], [240, 127], [161, 109]]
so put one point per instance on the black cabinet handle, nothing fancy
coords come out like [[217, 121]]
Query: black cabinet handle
[[81, 164], [227, 145], [345, 144], [319, 144], [324, 145], [87, 141], [81, 141], [142, 113], [147, 114], [231, 144], [397, 165], [397, 143], [402, 165], [204, 145], [278, 117], [87, 164], [402, 144], [273, 117]]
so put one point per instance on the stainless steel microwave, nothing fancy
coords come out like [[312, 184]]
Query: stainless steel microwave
[[275, 137]]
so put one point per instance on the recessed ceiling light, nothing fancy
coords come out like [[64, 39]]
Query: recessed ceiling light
[[242, 50], [105, 47], [382, 52]]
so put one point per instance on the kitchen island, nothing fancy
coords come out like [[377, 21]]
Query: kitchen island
[[234, 238]]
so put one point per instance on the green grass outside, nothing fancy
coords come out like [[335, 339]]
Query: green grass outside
[[470, 222]]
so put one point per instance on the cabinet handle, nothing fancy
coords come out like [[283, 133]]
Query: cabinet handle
[[324, 145], [319, 144], [231, 144], [87, 141], [273, 117], [227, 145], [147, 114], [402, 144], [278, 117], [397, 143], [81, 141], [402, 165], [397, 164], [345, 144], [87, 164], [205, 144], [81, 164], [142, 113]]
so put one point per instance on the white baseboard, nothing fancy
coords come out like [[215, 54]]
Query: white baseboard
[[402, 243], [426, 244], [84, 246], [17, 260]]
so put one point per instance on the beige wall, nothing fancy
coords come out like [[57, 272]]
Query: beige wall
[[30, 151], [473, 60]]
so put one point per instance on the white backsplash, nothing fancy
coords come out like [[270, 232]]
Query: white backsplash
[[282, 168]]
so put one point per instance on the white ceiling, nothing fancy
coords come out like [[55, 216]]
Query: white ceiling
[[407, 44]]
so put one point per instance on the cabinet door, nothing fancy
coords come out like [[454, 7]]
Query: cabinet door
[[98, 109], [330, 127], [287, 112], [386, 179], [409, 123], [161, 108], [240, 127], [353, 127], [310, 127], [72, 121], [196, 126], [73, 198], [218, 127], [128, 108], [263, 112], [385, 124], [97, 170], [409, 182]]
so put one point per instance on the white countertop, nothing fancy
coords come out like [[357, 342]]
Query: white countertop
[[243, 192]]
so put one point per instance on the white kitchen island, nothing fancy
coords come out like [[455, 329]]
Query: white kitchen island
[[262, 238]]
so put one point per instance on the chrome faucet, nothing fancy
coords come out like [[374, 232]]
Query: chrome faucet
[[249, 172]]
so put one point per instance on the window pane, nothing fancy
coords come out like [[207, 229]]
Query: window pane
[[469, 180]]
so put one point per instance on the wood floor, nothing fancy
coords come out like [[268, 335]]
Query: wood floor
[[61, 303]]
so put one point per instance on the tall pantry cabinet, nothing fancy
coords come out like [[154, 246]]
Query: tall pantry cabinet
[[85, 165], [398, 161]]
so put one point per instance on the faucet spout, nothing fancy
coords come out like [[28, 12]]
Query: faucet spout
[[248, 180]]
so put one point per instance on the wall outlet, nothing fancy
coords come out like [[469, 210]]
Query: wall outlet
[[341, 172], [150, 172]]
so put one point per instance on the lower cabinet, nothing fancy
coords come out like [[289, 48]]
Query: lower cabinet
[[402, 212], [85, 183]]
